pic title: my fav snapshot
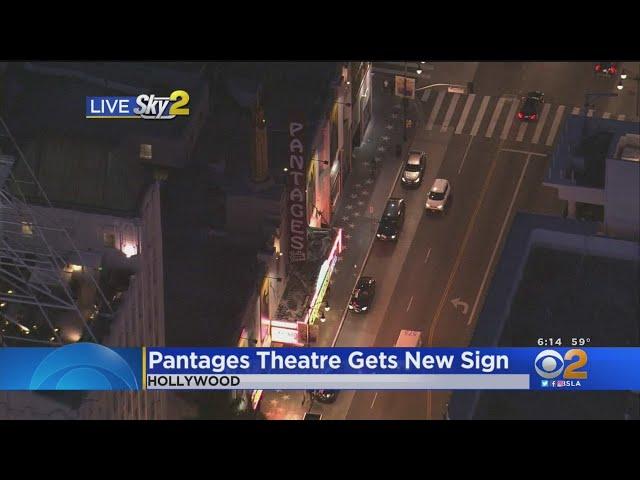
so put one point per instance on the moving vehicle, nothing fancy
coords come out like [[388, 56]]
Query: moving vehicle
[[438, 195], [392, 219], [606, 68], [325, 396], [414, 169], [530, 107], [363, 295], [409, 339]]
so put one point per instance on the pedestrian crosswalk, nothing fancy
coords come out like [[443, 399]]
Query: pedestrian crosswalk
[[495, 117]]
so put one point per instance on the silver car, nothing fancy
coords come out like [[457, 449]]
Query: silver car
[[438, 195], [414, 169]]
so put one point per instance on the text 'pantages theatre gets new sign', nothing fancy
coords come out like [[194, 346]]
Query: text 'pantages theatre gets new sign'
[[296, 195]]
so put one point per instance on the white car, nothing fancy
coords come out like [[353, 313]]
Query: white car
[[438, 195]]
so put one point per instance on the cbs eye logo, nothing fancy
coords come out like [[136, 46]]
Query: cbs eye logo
[[550, 364], [83, 366]]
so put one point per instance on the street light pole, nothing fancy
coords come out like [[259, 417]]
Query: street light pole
[[404, 105]]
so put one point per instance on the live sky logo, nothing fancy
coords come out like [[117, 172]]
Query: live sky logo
[[148, 107]]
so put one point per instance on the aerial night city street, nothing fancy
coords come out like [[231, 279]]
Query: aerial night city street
[[339, 208]]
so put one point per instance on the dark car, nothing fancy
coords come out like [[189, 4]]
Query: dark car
[[606, 68], [530, 107], [414, 169], [325, 396], [392, 219], [363, 295]]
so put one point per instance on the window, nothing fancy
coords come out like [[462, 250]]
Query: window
[[27, 228], [145, 151], [109, 239]]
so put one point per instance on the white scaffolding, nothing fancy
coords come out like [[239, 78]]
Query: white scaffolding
[[35, 253]]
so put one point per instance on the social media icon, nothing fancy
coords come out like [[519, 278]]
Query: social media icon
[[544, 383]]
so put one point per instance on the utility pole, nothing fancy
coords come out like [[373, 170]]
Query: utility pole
[[404, 105]]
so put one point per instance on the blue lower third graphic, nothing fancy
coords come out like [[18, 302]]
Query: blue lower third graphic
[[81, 366]]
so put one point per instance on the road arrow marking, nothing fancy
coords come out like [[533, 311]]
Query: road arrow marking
[[465, 305]]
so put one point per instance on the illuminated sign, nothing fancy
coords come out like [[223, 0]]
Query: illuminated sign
[[296, 195], [285, 335], [323, 278]]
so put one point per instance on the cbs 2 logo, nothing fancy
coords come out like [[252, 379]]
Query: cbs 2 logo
[[181, 100], [550, 364]]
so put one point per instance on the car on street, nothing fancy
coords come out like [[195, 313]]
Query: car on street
[[530, 106], [606, 68], [439, 195], [414, 169], [363, 294], [325, 396], [392, 219]]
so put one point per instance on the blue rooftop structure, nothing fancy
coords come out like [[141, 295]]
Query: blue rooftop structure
[[583, 146]]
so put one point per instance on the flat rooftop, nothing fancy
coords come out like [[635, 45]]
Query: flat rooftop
[[584, 145], [557, 279]]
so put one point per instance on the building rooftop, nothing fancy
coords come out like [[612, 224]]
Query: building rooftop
[[584, 145], [557, 279]]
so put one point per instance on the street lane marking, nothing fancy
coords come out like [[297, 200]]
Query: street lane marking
[[479, 116], [410, 302], [456, 265], [590, 112], [465, 113], [497, 244], [521, 131], [436, 109], [374, 400], [510, 117], [555, 125], [425, 95], [543, 119], [494, 117], [464, 157], [575, 111], [461, 251], [523, 151], [606, 115], [452, 107], [622, 117], [428, 253]]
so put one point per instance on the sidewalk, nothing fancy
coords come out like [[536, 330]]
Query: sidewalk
[[363, 198]]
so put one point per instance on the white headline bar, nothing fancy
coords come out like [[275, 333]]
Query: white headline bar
[[339, 382]]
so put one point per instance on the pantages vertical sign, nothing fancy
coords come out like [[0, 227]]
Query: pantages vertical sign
[[296, 195]]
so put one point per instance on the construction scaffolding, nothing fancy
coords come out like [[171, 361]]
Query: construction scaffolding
[[49, 291]]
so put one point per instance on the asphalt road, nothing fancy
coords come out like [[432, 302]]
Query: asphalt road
[[439, 259]]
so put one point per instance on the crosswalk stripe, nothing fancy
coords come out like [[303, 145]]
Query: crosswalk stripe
[[543, 119], [436, 108], [521, 131], [622, 117], [510, 117], [494, 118], [555, 125], [480, 115], [465, 113], [575, 111], [590, 112], [452, 108], [425, 95], [606, 115]]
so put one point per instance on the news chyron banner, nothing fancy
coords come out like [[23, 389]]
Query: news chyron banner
[[88, 366]]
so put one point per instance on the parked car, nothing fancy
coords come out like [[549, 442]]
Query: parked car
[[414, 169], [392, 219], [363, 294]]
